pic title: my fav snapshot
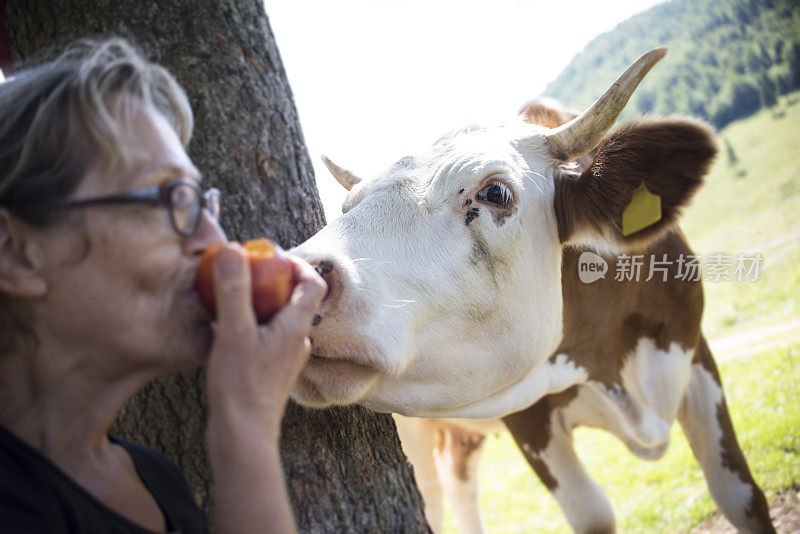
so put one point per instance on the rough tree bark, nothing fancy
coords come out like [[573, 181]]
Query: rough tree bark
[[344, 468]]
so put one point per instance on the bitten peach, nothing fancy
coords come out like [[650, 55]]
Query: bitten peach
[[272, 277]]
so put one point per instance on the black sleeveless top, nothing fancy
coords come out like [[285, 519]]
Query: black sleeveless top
[[38, 497]]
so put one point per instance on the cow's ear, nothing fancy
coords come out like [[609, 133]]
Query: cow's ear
[[668, 157], [546, 112]]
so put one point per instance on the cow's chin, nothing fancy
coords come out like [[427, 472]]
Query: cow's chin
[[328, 381]]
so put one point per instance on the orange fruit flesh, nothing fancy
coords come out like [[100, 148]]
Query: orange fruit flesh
[[260, 247]]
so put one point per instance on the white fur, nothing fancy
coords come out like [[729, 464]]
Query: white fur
[[583, 501], [641, 410], [484, 426], [463, 494], [700, 423], [656, 380], [419, 443], [435, 474]]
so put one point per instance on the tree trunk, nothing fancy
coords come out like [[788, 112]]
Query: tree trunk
[[344, 468]]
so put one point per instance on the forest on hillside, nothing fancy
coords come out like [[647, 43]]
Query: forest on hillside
[[727, 59]]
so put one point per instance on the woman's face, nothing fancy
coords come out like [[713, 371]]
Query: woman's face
[[130, 300]]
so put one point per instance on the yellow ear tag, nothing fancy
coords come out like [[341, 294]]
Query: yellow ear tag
[[643, 210]]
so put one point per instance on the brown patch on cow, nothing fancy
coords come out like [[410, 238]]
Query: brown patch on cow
[[549, 116], [543, 472], [532, 427], [703, 357], [604, 320], [671, 156], [460, 444]]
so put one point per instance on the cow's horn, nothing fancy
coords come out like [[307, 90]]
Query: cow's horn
[[583, 133], [343, 176]]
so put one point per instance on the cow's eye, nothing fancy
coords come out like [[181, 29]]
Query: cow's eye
[[496, 193]]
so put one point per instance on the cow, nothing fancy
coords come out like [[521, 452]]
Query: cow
[[445, 453], [455, 292]]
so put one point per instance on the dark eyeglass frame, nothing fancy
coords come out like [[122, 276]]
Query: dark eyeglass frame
[[159, 195]]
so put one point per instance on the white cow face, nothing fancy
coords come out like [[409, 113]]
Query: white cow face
[[444, 277], [444, 272]]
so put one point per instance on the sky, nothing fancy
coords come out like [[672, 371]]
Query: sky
[[376, 80]]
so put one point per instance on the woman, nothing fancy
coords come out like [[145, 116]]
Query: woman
[[102, 225]]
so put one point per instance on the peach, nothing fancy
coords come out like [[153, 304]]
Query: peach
[[272, 278]]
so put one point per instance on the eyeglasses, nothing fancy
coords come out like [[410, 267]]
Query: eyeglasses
[[183, 199]]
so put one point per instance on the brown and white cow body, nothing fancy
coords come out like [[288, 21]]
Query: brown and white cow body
[[454, 293], [654, 379]]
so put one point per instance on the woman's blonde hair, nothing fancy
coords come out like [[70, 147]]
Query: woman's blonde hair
[[60, 119]]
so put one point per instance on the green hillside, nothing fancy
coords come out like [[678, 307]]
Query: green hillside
[[727, 59], [751, 203]]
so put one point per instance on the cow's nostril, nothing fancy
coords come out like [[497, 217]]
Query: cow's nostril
[[324, 267]]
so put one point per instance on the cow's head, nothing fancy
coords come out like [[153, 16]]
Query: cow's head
[[445, 271]]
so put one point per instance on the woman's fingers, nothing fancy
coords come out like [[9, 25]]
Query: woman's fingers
[[306, 297], [232, 288]]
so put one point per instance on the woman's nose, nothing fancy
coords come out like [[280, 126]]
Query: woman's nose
[[208, 234]]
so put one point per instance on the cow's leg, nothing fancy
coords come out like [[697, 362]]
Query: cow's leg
[[457, 460], [418, 437], [547, 445], [707, 425]]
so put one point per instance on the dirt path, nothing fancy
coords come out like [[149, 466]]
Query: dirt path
[[784, 510], [754, 340]]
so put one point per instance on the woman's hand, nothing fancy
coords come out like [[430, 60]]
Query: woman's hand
[[252, 368]]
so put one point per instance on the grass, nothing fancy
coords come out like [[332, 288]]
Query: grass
[[753, 205], [750, 203]]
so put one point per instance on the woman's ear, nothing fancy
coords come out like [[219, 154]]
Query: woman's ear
[[20, 260]]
